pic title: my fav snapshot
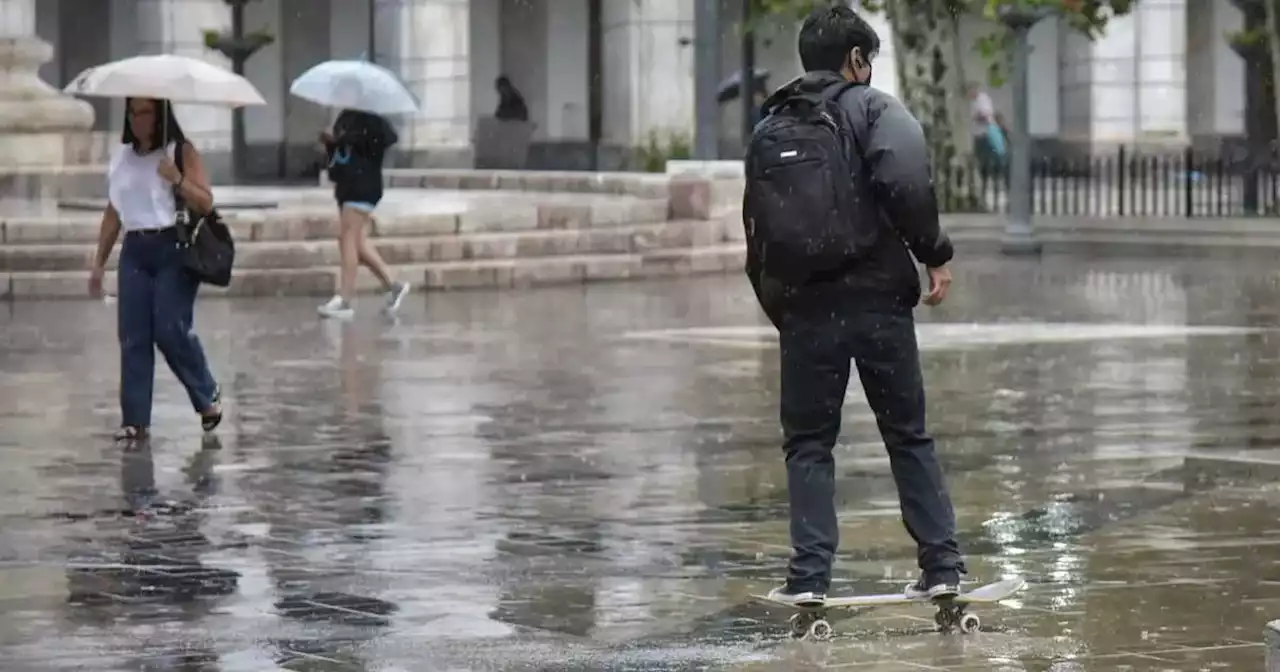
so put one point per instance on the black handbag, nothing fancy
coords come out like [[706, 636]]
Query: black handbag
[[208, 250]]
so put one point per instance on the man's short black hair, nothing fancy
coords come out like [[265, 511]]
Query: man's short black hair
[[829, 34]]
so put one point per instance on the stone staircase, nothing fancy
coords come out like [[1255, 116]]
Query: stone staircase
[[471, 229]]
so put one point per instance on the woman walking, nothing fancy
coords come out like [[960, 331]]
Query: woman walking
[[355, 148], [156, 302]]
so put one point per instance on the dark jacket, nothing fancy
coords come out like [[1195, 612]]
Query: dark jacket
[[511, 106], [893, 173], [360, 143]]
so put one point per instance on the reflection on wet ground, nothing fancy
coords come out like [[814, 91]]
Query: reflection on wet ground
[[589, 478]]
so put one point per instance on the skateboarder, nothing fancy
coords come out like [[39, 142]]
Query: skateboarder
[[839, 283]]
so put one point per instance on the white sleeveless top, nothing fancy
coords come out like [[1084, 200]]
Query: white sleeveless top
[[143, 199]]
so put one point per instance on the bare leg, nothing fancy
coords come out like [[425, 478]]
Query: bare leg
[[370, 258], [349, 222]]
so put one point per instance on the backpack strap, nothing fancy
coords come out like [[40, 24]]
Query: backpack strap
[[834, 93]]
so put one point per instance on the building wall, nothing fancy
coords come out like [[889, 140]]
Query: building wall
[[648, 67], [1215, 85], [1163, 75]]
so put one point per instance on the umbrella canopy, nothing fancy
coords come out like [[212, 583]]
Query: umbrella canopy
[[728, 89], [175, 78], [356, 85]]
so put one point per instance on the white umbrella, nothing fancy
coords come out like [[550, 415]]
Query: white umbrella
[[357, 85], [175, 78]]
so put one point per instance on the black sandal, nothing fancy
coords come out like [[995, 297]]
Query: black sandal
[[209, 421], [131, 435]]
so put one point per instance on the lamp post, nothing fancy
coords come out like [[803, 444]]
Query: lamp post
[[707, 80], [747, 82], [1019, 236], [372, 37]]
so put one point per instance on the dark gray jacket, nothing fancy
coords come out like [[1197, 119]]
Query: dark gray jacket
[[892, 166]]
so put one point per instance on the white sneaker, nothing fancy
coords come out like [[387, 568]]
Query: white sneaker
[[395, 296], [337, 308], [806, 598]]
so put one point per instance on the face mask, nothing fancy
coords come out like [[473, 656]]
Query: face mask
[[867, 63]]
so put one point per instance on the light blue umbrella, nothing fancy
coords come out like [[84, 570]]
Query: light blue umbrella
[[356, 85]]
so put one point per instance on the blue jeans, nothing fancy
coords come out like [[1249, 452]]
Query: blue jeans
[[155, 310], [815, 373]]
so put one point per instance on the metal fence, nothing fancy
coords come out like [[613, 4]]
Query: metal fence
[[1123, 184]]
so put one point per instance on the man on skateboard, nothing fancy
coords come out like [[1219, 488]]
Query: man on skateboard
[[839, 199]]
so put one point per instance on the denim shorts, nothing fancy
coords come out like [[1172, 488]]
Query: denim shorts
[[362, 206]]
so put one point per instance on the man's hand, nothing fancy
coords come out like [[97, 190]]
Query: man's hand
[[939, 283]]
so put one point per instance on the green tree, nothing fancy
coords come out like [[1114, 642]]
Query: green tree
[[929, 56]]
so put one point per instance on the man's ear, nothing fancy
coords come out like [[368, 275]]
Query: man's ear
[[855, 58]]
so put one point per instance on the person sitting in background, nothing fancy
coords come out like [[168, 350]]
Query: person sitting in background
[[511, 106]]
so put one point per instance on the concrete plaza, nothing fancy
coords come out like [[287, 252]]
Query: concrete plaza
[[589, 477]]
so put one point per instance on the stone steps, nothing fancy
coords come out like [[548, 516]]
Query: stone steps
[[645, 185], [482, 273], [409, 248], [317, 224]]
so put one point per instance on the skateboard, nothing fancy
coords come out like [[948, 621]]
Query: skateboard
[[811, 622]]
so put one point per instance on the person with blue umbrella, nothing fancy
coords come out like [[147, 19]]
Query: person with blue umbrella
[[355, 148]]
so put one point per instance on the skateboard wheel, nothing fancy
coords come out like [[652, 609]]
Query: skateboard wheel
[[969, 623], [945, 619], [820, 630], [799, 624]]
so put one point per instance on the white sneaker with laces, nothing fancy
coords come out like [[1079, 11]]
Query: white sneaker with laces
[[337, 308], [801, 599]]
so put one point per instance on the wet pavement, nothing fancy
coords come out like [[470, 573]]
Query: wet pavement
[[589, 478]]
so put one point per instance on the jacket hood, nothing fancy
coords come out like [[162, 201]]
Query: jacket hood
[[809, 82]]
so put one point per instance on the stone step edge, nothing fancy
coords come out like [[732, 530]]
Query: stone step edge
[[406, 251], [304, 227], [511, 273], [640, 185], [87, 247]]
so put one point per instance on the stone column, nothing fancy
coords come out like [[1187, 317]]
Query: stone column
[[39, 125], [431, 52], [648, 65], [177, 27]]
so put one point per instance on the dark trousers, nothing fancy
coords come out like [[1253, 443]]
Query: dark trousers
[[815, 374], [155, 310]]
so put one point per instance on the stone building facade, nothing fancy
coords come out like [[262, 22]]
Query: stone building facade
[[1164, 75]]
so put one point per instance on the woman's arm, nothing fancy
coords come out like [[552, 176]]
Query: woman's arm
[[194, 184], [108, 233]]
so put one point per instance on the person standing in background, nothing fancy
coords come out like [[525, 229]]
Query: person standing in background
[[990, 140]]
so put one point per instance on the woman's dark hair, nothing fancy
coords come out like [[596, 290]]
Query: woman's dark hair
[[829, 34], [166, 126]]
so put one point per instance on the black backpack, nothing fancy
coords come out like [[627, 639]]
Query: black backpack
[[800, 200]]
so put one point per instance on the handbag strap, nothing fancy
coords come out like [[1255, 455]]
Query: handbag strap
[[179, 203]]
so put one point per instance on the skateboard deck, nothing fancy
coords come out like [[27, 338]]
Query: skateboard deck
[[811, 622]]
